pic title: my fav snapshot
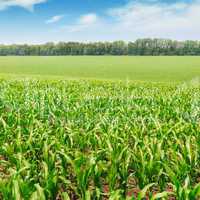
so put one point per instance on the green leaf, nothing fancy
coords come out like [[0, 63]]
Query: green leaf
[[143, 192]]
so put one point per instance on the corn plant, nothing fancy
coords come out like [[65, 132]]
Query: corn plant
[[98, 140]]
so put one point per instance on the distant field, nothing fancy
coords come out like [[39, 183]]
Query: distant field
[[104, 67]]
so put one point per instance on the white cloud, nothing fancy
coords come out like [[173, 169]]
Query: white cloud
[[175, 20], [136, 19], [54, 19], [88, 19], [133, 20], [27, 4], [84, 22]]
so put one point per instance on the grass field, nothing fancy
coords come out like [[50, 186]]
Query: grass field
[[161, 69], [97, 139]]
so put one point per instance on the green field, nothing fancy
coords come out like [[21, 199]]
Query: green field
[[78, 133], [104, 67]]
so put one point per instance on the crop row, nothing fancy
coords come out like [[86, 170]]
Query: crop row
[[99, 140]]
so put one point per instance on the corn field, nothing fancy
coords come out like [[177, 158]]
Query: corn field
[[99, 140]]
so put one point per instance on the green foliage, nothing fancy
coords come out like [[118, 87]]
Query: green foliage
[[139, 47], [98, 140]]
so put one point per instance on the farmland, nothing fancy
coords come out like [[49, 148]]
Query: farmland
[[99, 128], [162, 69]]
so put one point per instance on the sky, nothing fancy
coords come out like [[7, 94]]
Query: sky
[[41, 21]]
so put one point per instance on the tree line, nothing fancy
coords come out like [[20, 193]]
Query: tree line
[[139, 47]]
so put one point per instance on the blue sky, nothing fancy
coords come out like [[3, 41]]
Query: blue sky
[[40, 21]]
